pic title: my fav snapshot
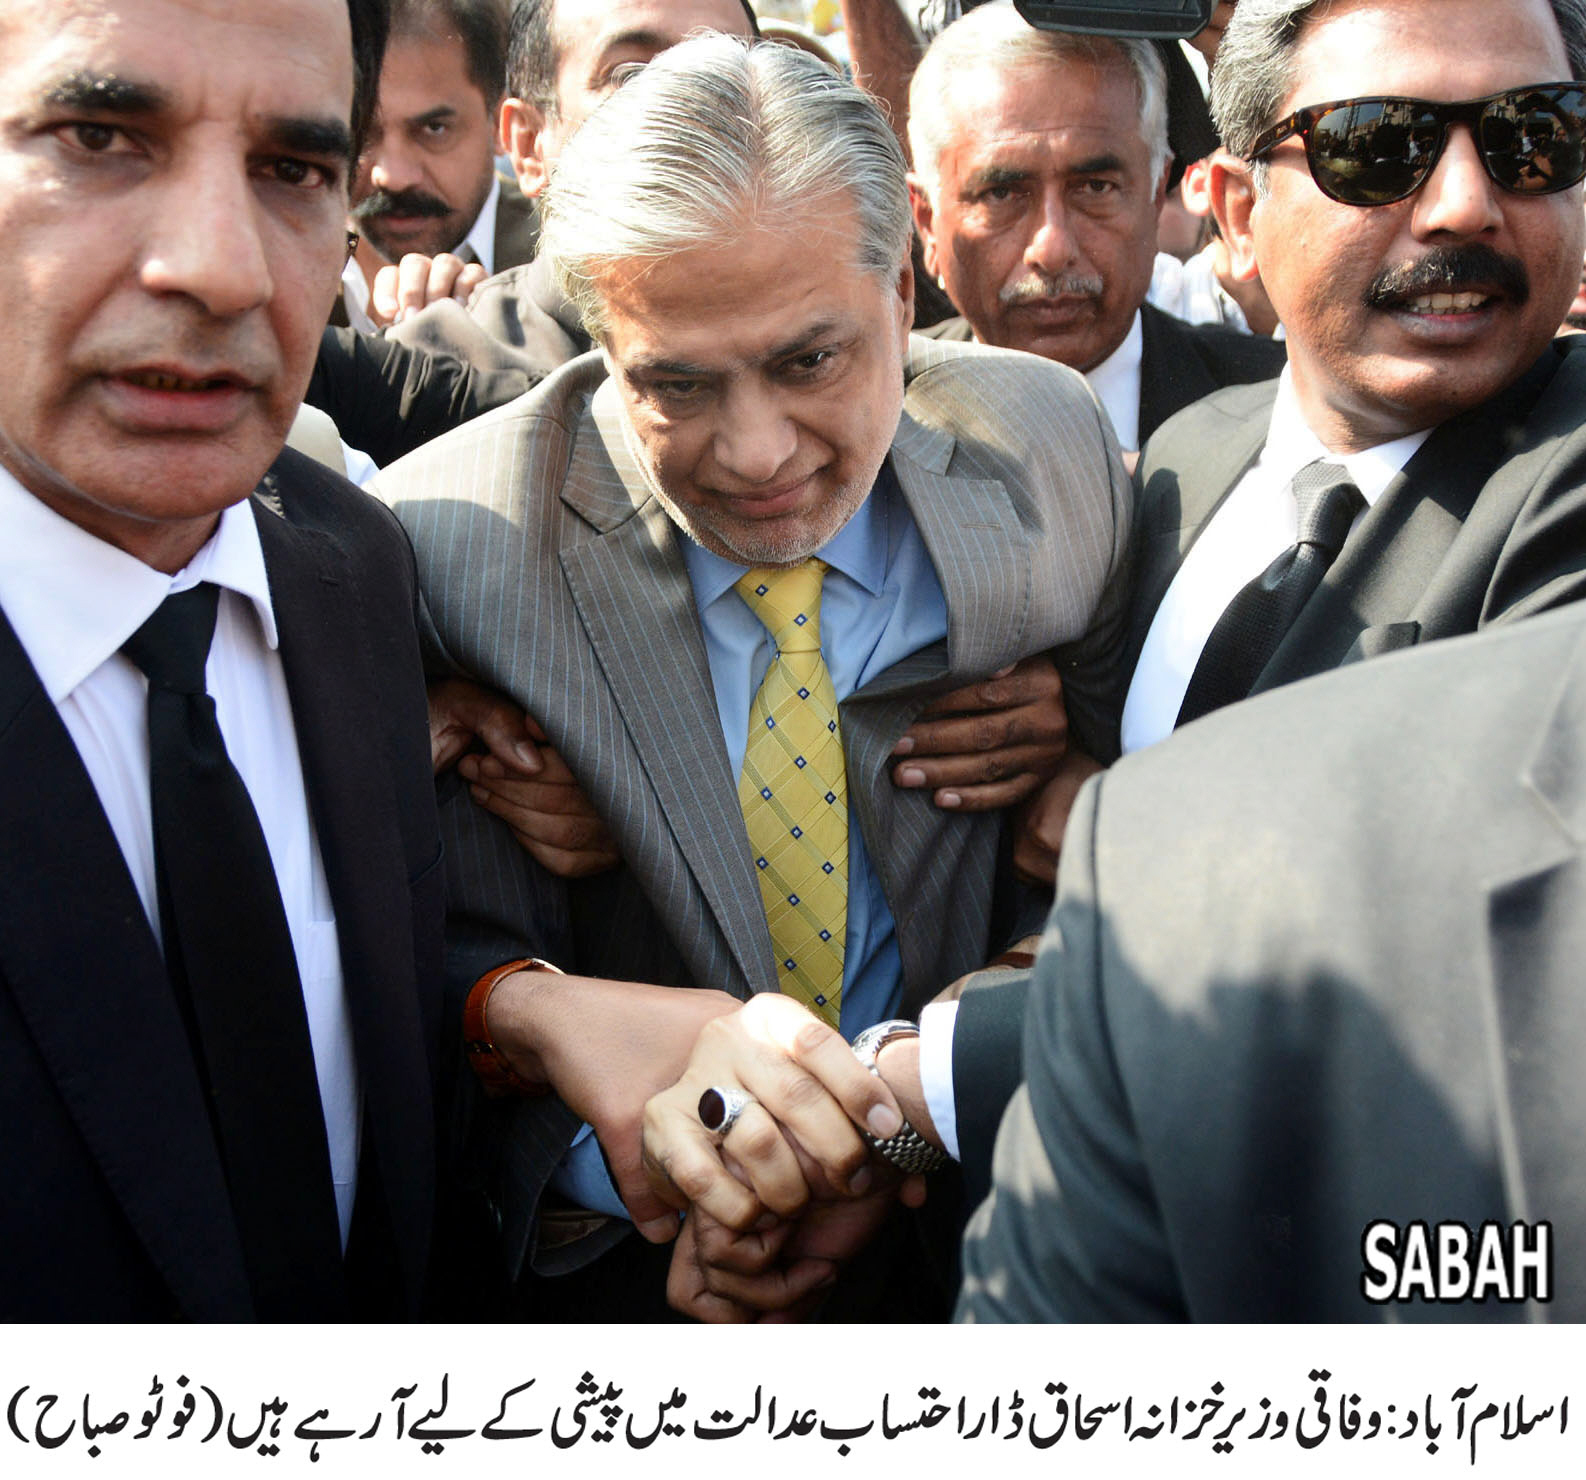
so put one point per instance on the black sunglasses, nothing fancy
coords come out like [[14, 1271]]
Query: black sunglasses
[[1373, 151]]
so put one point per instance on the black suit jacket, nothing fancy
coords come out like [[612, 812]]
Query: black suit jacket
[[388, 398], [1179, 362], [1486, 523], [1240, 1052], [115, 1205]]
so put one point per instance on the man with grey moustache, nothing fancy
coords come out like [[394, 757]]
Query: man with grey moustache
[[1041, 160]]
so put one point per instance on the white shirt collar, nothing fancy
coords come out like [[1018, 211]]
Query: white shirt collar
[[1116, 383], [74, 599], [355, 297], [1291, 444], [482, 234]]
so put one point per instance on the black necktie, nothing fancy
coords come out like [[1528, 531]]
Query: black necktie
[[1255, 621], [230, 957]]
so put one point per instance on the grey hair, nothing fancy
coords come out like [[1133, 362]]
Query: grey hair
[[716, 136], [1254, 73], [997, 35]]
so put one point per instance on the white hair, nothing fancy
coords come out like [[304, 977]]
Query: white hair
[[715, 136]]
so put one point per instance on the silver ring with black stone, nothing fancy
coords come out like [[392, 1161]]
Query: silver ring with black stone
[[719, 1108]]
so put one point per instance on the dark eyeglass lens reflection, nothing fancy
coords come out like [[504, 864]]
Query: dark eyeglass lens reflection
[[1373, 151]]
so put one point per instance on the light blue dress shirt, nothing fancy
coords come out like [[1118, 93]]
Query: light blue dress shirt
[[881, 601]]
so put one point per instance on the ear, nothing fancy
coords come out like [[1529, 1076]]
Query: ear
[[924, 219], [522, 128], [906, 293], [1194, 190], [1233, 202]]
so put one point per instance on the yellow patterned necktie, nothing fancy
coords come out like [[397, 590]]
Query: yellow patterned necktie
[[794, 790]]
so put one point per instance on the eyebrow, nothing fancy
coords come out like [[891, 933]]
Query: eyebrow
[[122, 97], [808, 338], [106, 93], [994, 174], [324, 137], [443, 113], [623, 40], [1098, 164]]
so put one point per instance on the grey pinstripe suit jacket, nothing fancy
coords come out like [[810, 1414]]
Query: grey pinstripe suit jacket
[[551, 573]]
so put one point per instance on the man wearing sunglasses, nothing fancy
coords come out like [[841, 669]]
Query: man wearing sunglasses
[[1338, 983], [1405, 180]]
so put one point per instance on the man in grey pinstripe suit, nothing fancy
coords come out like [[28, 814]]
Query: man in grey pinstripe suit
[[758, 392]]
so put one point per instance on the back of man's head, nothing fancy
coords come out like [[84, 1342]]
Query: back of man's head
[[715, 139], [370, 22]]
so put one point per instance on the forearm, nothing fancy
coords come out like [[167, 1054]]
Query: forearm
[[885, 51]]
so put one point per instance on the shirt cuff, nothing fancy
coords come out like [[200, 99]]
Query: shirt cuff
[[581, 1177], [936, 1070]]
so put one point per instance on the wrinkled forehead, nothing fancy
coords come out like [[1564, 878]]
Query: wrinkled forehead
[[1066, 104], [762, 293], [262, 62]]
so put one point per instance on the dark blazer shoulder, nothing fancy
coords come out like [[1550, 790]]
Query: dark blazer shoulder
[[313, 499], [1180, 363], [517, 235]]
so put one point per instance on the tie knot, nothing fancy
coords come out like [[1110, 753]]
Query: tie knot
[[787, 600], [173, 645], [1328, 501]]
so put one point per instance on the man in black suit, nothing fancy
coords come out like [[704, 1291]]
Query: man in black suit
[[1421, 362], [156, 361], [1420, 350], [1040, 164]]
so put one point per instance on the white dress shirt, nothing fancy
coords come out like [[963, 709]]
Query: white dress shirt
[[73, 600], [1116, 382], [1255, 524]]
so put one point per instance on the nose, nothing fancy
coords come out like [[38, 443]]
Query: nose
[[1460, 199], [206, 241], [395, 167], [755, 437], [1051, 247]]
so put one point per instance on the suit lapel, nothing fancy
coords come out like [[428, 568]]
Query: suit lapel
[[1176, 503], [82, 964], [977, 544], [330, 676], [637, 607], [982, 559], [1536, 918], [1401, 547], [1172, 374]]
